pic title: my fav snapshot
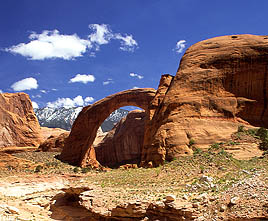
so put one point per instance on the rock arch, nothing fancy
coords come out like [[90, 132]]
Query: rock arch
[[78, 148]]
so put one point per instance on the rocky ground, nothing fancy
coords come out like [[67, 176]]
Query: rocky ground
[[210, 185]]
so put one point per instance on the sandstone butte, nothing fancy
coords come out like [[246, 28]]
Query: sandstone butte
[[18, 123], [221, 83]]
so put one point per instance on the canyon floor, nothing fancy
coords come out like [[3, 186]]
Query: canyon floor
[[227, 181]]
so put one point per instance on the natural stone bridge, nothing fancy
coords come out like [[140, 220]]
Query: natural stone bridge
[[78, 149]]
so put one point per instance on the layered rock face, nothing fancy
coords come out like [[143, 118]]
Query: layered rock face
[[221, 83], [123, 144], [18, 123], [78, 149]]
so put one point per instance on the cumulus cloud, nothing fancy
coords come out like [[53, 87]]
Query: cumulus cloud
[[43, 91], [109, 81], [135, 87], [68, 102], [136, 75], [35, 105], [180, 46], [1, 91], [25, 84], [83, 78], [52, 44], [102, 34], [127, 42], [88, 100], [54, 89]]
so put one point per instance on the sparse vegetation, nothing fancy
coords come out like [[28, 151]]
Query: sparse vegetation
[[263, 134], [38, 169], [191, 142]]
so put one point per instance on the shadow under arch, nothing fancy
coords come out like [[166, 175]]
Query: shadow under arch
[[78, 149]]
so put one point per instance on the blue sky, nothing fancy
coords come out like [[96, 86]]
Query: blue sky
[[72, 53]]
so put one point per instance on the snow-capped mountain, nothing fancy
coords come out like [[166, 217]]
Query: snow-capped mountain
[[64, 117]]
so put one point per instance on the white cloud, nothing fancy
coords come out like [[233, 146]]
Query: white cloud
[[83, 78], [51, 44], [35, 105], [36, 96], [1, 91], [136, 75], [127, 42], [68, 102], [180, 46], [135, 87], [102, 34], [109, 81], [54, 89], [25, 84], [88, 100], [43, 91]]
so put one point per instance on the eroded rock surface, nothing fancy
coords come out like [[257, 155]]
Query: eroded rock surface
[[123, 144], [221, 83], [54, 143], [18, 123], [78, 149]]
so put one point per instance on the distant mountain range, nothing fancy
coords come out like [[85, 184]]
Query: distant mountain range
[[64, 117]]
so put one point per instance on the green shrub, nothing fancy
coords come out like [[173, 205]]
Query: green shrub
[[191, 142], [214, 146], [85, 169], [76, 170], [197, 151], [263, 134], [252, 132], [241, 129], [38, 169]]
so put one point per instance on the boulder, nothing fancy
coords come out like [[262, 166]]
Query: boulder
[[18, 123], [221, 83], [123, 144], [53, 143]]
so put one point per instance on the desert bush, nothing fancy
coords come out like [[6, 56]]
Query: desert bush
[[191, 142], [76, 170], [38, 169], [263, 134], [241, 129]]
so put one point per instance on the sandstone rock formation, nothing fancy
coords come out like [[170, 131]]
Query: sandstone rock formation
[[123, 144], [221, 83], [53, 143], [78, 149], [18, 123]]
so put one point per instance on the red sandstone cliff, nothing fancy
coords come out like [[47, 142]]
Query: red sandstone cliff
[[18, 123], [220, 82]]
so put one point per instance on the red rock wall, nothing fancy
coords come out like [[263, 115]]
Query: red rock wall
[[18, 123], [220, 84], [123, 144]]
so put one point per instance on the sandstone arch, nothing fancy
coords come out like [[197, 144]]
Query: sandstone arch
[[78, 148]]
